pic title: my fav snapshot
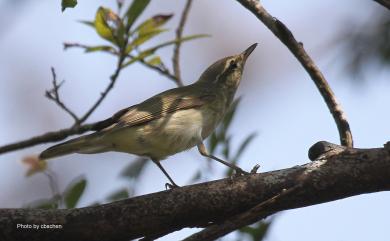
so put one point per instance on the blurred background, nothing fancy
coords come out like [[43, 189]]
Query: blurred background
[[349, 41]]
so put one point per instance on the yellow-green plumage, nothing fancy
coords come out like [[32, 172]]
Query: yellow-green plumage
[[163, 125], [169, 122]]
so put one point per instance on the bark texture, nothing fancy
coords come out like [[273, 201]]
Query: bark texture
[[337, 175]]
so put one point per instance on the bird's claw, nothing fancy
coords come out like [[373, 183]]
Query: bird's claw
[[170, 186], [240, 172]]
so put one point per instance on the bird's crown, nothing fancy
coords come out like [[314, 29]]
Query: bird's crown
[[227, 71]]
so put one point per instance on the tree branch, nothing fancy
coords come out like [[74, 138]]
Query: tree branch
[[55, 96], [176, 50], [384, 3], [296, 48], [240, 220], [163, 71], [48, 137], [343, 174], [113, 78], [59, 135], [77, 128]]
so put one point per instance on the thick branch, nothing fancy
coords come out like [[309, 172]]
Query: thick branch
[[240, 220], [384, 3], [285, 35], [176, 50], [344, 174]]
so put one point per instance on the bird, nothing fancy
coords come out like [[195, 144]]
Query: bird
[[167, 123]]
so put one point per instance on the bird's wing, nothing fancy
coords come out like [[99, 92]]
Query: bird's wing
[[157, 107]]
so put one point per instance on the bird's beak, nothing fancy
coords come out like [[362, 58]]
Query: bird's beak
[[248, 51]]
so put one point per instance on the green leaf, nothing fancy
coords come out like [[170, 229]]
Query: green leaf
[[197, 176], [152, 23], [134, 11], [180, 40], [88, 23], [155, 61], [109, 26], [74, 191], [244, 145], [68, 4], [128, 49], [150, 51], [258, 231], [149, 29], [134, 168], [104, 48], [141, 56], [101, 25], [118, 195], [142, 38]]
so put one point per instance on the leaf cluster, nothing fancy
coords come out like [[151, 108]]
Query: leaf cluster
[[126, 38]]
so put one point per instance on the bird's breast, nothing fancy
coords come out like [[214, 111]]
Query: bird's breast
[[170, 134], [173, 133]]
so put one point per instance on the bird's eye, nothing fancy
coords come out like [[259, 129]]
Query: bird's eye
[[233, 64]]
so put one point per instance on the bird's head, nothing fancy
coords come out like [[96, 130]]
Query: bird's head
[[227, 71]]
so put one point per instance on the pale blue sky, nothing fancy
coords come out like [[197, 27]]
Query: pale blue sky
[[280, 101]]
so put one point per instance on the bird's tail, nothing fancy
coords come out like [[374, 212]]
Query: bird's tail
[[85, 144]]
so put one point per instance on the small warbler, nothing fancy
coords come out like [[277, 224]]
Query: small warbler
[[167, 123]]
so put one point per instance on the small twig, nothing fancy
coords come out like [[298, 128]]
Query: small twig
[[285, 35], [122, 56], [78, 128], [176, 50], [113, 78], [54, 96], [103, 95], [86, 47], [162, 70], [53, 183], [253, 215], [75, 45], [384, 3]]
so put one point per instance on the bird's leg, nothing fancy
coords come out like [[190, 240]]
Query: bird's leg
[[167, 185], [203, 151]]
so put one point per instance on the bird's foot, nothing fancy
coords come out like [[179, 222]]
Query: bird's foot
[[170, 186], [240, 172]]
